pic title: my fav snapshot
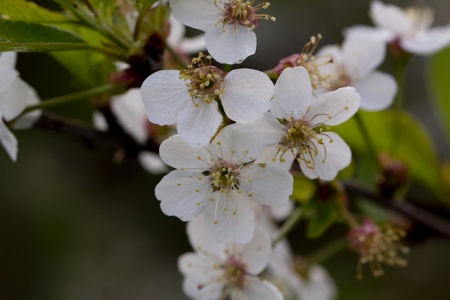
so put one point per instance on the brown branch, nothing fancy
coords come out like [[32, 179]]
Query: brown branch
[[112, 140], [406, 208]]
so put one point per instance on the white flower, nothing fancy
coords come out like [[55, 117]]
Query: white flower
[[220, 181], [316, 284], [304, 120], [15, 95], [188, 97], [410, 27], [353, 64], [218, 271], [228, 25]]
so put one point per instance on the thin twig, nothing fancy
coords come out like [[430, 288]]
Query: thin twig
[[402, 206], [94, 138]]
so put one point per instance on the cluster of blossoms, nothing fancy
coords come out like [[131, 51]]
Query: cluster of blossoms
[[226, 173], [241, 132]]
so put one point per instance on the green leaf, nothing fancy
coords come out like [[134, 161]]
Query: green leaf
[[21, 36], [325, 216], [402, 136], [89, 68], [27, 11], [441, 87], [83, 64], [304, 189]]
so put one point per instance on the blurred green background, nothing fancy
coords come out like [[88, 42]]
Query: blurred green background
[[75, 225]]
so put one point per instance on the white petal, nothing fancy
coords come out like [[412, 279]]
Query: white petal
[[377, 91], [201, 242], [198, 124], [334, 108], [280, 213], [270, 184], [8, 60], [269, 153], [230, 47], [293, 94], [193, 45], [247, 95], [182, 194], [176, 153], [318, 285], [429, 42], [152, 163], [177, 31], [257, 289], [31, 98], [130, 112], [199, 14], [362, 54], [238, 143], [390, 17], [254, 254], [381, 34], [14, 95], [281, 263], [328, 163], [8, 140], [333, 53], [99, 121], [308, 172], [271, 129], [164, 94], [225, 226], [199, 270]]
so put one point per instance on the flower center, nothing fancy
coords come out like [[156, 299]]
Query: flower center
[[377, 245], [224, 176], [298, 140], [307, 60], [241, 12], [234, 272], [204, 82], [341, 79], [421, 16]]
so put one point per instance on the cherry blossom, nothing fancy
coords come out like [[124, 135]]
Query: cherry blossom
[[354, 65], [303, 132], [377, 245], [228, 25], [15, 95], [220, 181], [188, 98], [409, 28], [218, 271]]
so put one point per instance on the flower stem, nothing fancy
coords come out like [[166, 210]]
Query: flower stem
[[290, 223], [400, 65], [327, 251], [68, 99], [342, 201]]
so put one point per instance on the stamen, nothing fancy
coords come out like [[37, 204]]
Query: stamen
[[241, 12], [204, 82]]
